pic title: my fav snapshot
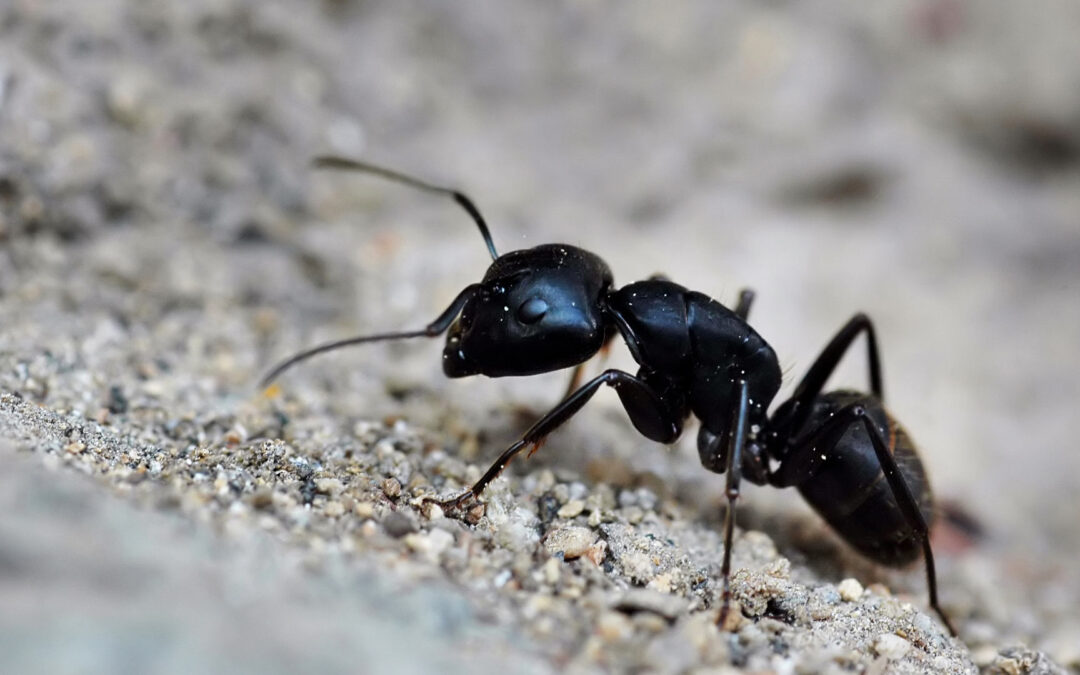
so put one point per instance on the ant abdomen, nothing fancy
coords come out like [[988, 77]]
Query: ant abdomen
[[849, 488]]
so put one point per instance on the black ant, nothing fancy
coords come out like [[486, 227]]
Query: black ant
[[555, 306]]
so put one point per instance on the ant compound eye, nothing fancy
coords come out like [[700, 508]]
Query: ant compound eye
[[532, 310]]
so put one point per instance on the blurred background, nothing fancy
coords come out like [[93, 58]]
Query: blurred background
[[919, 161]]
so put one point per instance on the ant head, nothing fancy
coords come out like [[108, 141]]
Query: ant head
[[537, 310]]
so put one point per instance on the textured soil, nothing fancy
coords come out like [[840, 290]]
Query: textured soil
[[164, 240]]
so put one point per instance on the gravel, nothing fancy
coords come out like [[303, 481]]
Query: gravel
[[163, 241]]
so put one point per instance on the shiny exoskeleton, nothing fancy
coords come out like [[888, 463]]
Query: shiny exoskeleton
[[555, 306]]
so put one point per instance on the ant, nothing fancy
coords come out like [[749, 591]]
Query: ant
[[555, 306]]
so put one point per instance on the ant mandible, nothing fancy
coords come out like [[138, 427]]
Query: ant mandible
[[555, 306]]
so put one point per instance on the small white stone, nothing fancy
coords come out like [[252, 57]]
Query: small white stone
[[572, 542], [551, 571], [328, 486], [572, 509], [595, 518], [433, 511], [850, 590], [891, 646]]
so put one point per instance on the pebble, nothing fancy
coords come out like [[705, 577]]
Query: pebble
[[1005, 665], [329, 486], [571, 509], [391, 488], [571, 541], [561, 492], [891, 646], [397, 524], [432, 511], [545, 480], [596, 552], [551, 571], [850, 590]]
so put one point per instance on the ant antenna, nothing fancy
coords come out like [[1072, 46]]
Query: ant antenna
[[334, 162], [433, 329], [330, 346]]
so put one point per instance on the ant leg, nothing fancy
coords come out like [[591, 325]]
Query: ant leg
[[797, 408], [647, 410], [746, 298], [433, 329], [803, 462], [734, 474]]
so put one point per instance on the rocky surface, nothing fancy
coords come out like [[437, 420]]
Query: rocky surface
[[163, 240]]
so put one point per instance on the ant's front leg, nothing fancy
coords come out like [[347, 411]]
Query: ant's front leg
[[734, 475], [648, 411]]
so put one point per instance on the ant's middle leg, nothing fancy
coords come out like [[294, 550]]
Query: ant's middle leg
[[647, 410]]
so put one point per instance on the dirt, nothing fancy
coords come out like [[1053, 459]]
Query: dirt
[[164, 240]]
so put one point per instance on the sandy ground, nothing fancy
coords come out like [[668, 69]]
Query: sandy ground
[[163, 240]]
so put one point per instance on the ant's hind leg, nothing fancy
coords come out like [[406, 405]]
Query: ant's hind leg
[[794, 412], [647, 410], [802, 462]]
